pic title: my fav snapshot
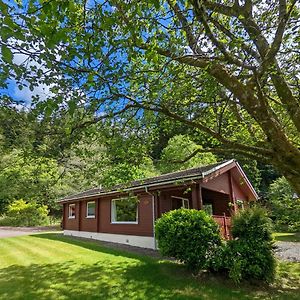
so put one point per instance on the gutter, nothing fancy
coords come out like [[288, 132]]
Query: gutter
[[153, 215], [134, 188]]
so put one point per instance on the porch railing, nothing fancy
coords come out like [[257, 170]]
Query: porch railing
[[225, 225]]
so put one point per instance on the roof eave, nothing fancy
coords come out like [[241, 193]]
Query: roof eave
[[161, 183]]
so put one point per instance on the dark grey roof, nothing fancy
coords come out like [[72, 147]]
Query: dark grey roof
[[188, 174]]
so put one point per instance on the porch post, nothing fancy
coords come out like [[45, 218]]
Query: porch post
[[231, 191], [194, 197], [197, 197], [200, 196], [157, 198]]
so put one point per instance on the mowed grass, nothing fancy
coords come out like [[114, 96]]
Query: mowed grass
[[51, 266], [287, 236]]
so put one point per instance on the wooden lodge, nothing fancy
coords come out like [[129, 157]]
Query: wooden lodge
[[126, 213]]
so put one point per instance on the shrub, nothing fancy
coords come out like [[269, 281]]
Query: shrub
[[252, 224], [250, 254], [21, 213], [189, 235]]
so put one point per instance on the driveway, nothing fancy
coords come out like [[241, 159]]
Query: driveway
[[288, 251], [16, 231]]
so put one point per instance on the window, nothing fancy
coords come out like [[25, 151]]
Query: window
[[179, 202], [124, 210], [208, 208], [72, 211], [90, 209], [185, 203]]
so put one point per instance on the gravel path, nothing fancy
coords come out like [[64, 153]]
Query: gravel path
[[288, 251]]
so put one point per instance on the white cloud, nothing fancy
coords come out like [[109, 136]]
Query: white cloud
[[25, 94]]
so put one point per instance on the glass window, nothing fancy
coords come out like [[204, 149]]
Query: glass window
[[90, 209], [72, 211], [179, 202], [208, 208], [124, 210], [185, 203]]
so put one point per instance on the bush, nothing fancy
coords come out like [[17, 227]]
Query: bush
[[189, 235], [250, 254], [21, 213], [252, 224]]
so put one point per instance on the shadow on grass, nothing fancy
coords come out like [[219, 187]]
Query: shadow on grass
[[145, 278]]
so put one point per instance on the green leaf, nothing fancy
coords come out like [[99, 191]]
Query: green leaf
[[72, 107], [7, 55]]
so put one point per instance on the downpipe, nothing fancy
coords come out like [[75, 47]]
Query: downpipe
[[153, 215]]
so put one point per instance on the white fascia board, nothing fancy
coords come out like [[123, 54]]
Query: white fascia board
[[218, 167], [247, 181]]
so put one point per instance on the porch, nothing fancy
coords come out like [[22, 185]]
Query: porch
[[216, 204]]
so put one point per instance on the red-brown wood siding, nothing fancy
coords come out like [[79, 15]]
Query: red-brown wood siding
[[71, 224], [218, 184], [88, 224], [238, 193], [145, 222]]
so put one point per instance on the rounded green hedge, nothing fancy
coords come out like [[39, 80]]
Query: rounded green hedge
[[189, 235], [250, 254]]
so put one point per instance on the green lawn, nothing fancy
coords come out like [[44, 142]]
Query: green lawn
[[50, 266], [287, 236]]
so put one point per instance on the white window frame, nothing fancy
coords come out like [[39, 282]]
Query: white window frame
[[112, 212], [183, 201], [87, 210], [69, 215]]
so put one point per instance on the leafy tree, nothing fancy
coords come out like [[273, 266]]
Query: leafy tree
[[22, 213], [28, 177], [226, 69], [284, 204], [176, 155]]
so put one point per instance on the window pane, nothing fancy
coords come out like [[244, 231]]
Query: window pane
[[72, 210], [91, 209], [208, 208], [125, 210], [185, 203]]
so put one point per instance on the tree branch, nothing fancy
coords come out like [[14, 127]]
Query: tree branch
[[223, 151], [197, 125]]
